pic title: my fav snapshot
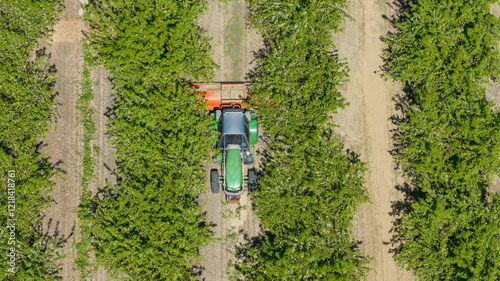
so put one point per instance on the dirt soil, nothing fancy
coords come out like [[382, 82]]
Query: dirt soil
[[365, 125], [105, 160], [233, 44], [65, 138], [493, 94]]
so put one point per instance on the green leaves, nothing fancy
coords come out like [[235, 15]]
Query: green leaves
[[447, 141], [148, 230], [310, 187], [306, 203], [302, 82], [149, 226], [451, 237], [158, 39], [444, 44], [285, 19], [26, 100]]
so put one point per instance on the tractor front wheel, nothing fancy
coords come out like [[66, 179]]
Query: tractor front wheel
[[214, 180]]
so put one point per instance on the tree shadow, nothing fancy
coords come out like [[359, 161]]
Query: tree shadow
[[411, 194], [401, 10], [49, 241], [243, 248], [204, 223], [59, 240], [113, 172], [403, 102], [197, 270], [55, 169], [256, 57]]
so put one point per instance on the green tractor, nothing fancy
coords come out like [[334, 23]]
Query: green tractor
[[237, 134]]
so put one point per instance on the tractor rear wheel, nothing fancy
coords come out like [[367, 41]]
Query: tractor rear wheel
[[214, 180], [252, 181]]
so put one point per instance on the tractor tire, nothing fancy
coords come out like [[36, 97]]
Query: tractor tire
[[252, 181], [214, 180]]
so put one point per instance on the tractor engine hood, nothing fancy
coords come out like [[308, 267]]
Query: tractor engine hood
[[233, 169]]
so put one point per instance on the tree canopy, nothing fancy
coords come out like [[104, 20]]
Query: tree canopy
[[149, 224], [445, 52]]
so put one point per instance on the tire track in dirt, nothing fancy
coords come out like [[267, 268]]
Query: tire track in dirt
[[366, 127], [64, 138], [233, 44], [105, 159]]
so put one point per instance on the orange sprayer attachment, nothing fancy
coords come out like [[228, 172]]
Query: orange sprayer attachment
[[223, 95]]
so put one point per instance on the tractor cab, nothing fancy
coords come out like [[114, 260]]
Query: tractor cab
[[235, 130], [237, 133]]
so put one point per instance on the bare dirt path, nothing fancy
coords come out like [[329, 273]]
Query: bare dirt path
[[232, 41], [64, 139], [493, 94], [233, 44], [366, 127], [105, 159]]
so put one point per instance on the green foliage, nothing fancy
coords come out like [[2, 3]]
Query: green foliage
[[149, 226], [147, 230], [314, 18], [156, 39], [450, 151], [450, 140], [310, 188], [302, 82], [83, 104], [444, 44], [307, 201], [455, 236], [26, 94], [447, 141], [315, 188]]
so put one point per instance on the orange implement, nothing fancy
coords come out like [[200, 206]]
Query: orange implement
[[223, 95]]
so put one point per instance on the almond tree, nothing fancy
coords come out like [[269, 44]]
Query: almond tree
[[149, 226], [26, 99], [445, 52], [310, 187]]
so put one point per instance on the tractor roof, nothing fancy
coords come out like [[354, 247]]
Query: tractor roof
[[233, 121]]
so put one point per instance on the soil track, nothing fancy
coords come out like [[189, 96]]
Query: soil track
[[233, 44], [105, 160], [366, 127], [64, 140]]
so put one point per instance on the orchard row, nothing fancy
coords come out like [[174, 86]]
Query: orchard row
[[447, 141], [26, 101], [310, 186]]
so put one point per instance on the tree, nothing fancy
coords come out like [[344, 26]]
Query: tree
[[442, 45], [307, 201], [444, 52], [26, 92], [149, 225], [306, 171]]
